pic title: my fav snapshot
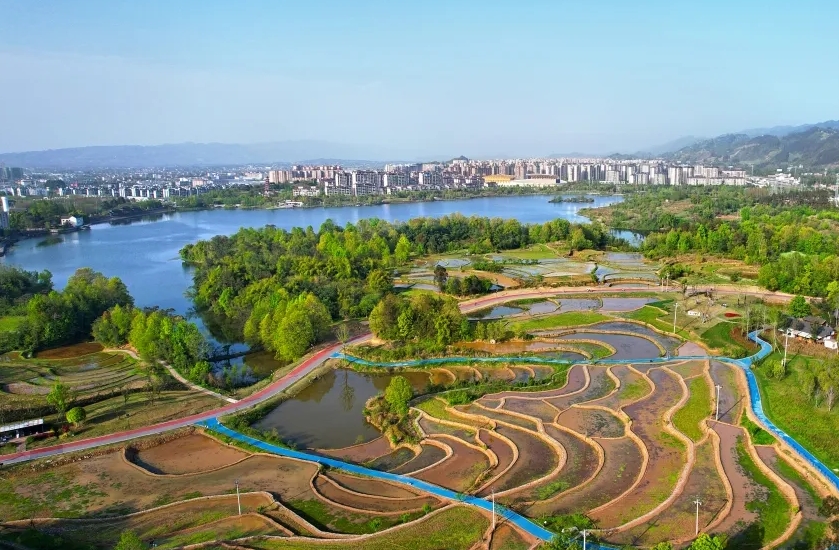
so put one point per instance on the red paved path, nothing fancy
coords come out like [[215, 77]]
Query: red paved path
[[303, 369]]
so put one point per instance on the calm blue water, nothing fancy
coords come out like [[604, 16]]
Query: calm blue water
[[144, 253]]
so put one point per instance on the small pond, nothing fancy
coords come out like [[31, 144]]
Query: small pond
[[668, 342], [578, 304], [625, 304], [541, 308], [497, 312], [328, 413], [626, 347]]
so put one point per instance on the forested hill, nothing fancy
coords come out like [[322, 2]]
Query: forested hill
[[816, 147]]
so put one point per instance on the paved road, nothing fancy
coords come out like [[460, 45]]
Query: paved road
[[316, 360]]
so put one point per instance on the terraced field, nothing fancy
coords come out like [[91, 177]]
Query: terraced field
[[632, 448]]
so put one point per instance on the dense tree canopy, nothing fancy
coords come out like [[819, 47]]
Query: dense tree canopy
[[422, 318], [796, 247], [17, 286], [65, 317], [281, 289]]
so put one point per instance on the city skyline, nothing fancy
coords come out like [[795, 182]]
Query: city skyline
[[404, 82]]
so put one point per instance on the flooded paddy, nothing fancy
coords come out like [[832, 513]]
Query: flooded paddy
[[625, 304], [667, 342], [511, 348], [578, 304], [328, 413], [626, 347], [497, 312]]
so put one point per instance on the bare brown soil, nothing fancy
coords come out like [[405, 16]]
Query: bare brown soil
[[576, 380], [592, 422], [337, 494], [580, 465], [501, 448], [667, 455], [107, 483], [633, 387], [623, 460], [536, 459], [688, 369], [741, 485], [600, 386], [674, 522], [496, 373], [691, 348], [731, 402], [361, 453], [188, 454], [165, 523], [70, 352], [497, 414], [431, 427], [531, 407], [429, 455], [459, 471], [369, 486], [506, 537], [489, 402]]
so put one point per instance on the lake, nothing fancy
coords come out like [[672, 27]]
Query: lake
[[144, 253]]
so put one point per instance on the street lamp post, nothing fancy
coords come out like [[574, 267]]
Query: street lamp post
[[238, 499], [717, 416], [698, 504], [585, 533]]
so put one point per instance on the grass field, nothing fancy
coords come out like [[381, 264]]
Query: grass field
[[790, 409], [561, 320], [698, 407], [457, 528], [654, 316], [720, 337], [534, 252]]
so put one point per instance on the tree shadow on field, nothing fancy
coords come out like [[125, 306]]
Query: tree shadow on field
[[748, 538]]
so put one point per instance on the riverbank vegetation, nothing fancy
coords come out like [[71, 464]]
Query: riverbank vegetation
[[265, 284], [48, 318]]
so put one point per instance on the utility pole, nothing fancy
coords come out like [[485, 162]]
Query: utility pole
[[493, 511], [717, 417], [698, 504], [675, 309], [238, 499], [786, 341]]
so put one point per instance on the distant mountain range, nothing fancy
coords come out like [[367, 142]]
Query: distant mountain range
[[814, 147], [197, 154]]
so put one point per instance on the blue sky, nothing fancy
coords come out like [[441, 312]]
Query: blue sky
[[412, 78]]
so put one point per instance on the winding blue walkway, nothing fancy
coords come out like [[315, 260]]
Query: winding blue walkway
[[501, 512], [506, 514]]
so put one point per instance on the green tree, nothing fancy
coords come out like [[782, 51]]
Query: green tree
[[384, 317], [129, 540], [379, 280], [798, 307], [708, 542], [403, 250], [76, 416], [60, 397], [663, 546], [398, 393], [342, 332]]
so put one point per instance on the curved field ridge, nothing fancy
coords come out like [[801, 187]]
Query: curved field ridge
[[503, 513]]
